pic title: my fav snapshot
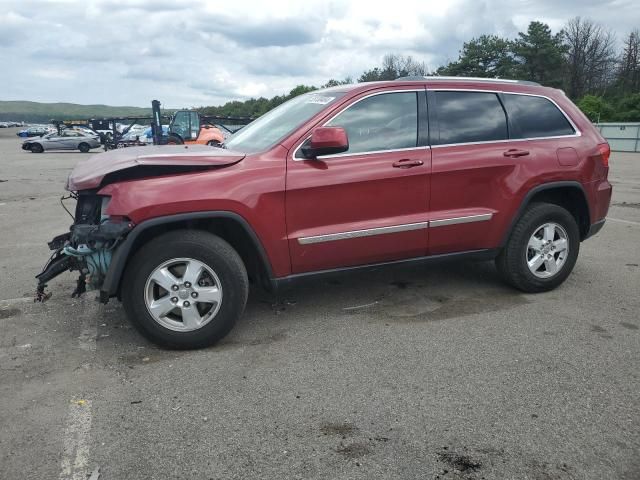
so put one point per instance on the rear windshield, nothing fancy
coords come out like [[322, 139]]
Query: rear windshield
[[270, 128]]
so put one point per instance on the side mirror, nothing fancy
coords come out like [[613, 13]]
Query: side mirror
[[326, 141]]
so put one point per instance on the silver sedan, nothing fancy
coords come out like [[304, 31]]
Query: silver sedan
[[67, 140]]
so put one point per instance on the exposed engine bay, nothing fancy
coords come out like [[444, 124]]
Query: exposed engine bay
[[87, 247]]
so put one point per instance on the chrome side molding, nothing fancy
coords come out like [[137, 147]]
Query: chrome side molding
[[368, 232]]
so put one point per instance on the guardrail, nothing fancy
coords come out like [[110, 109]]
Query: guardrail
[[622, 137]]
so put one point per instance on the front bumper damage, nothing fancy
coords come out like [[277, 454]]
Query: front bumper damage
[[87, 248]]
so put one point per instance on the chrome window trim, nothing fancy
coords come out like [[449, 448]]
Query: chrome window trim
[[406, 227], [577, 132], [347, 154]]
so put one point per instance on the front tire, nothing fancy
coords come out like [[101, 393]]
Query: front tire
[[542, 249], [174, 139], [185, 289], [36, 148], [84, 147]]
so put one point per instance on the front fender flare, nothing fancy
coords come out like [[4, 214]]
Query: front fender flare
[[121, 255]]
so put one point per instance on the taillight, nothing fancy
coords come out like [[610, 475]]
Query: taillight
[[605, 153]]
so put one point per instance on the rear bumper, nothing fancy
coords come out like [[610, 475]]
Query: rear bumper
[[595, 228]]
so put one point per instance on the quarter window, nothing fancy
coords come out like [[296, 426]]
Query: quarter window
[[534, 117], [465, 117], [382, 122]]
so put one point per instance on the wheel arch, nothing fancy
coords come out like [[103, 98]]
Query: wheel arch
[[229, 226], [566, 194]]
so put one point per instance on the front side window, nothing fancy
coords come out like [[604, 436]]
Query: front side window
[[465, 117], [387, 121], [535, 117], [181, 124]]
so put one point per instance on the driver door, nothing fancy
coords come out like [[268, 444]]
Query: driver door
[[370, 203]]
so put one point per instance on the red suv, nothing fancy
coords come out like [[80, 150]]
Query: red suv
[[343, 178]]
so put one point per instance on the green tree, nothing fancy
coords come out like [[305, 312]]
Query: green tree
[[629, 109], [395, 66], [486, 56], [336, 83], [299, 90], [540, 55], [596, 108], [372, 75]]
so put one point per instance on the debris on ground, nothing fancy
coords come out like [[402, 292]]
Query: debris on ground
[[358, 307]]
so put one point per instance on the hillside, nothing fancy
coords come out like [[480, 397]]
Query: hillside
[[44, 112]]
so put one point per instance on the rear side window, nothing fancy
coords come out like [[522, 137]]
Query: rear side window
[[465, 117], [534, 117], [383, 122]]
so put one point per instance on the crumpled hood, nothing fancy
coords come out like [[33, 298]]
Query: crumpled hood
[[89, 173]]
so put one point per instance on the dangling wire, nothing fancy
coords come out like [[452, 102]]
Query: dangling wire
[[62, 199]]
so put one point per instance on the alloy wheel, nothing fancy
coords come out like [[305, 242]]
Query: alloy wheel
[[183, 294], [547, 250]]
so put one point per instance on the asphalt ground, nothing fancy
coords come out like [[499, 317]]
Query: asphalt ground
[[416, 373]]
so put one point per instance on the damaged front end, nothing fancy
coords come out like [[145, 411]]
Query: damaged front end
[[88, 246]]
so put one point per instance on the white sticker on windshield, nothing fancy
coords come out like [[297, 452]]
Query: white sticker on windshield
[[319, 99]]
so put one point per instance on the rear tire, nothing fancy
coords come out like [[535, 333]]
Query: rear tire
[[84, 147], [542, 249], [176, 252], [36, 148]]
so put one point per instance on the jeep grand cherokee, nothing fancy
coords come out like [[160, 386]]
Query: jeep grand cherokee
[[336, 179]]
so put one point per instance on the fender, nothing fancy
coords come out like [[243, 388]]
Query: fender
[[121, 255], [535, 190]]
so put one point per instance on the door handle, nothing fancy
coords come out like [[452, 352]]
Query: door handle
[[407, 163], [514, 152]]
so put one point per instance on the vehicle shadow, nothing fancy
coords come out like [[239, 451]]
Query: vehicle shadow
[[387, 295]]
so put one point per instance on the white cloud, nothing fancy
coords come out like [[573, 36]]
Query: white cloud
[[54, 74], [198, 52]]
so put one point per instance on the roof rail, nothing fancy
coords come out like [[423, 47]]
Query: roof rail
[[463, 79]]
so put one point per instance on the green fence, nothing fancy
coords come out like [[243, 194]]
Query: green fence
[[622, 137]]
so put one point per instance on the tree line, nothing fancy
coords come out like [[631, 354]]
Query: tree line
[[582, 59]]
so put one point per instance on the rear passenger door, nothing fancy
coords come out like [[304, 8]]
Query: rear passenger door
[[551, 136], [473, 163]]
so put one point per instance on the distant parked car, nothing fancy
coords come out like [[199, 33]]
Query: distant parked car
[[33, 132], [4, 125], [86, 131], [67, 140]]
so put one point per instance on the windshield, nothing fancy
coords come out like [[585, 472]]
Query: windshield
[[267, 130]]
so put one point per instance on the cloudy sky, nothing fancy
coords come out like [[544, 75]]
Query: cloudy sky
[[205, 52]]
